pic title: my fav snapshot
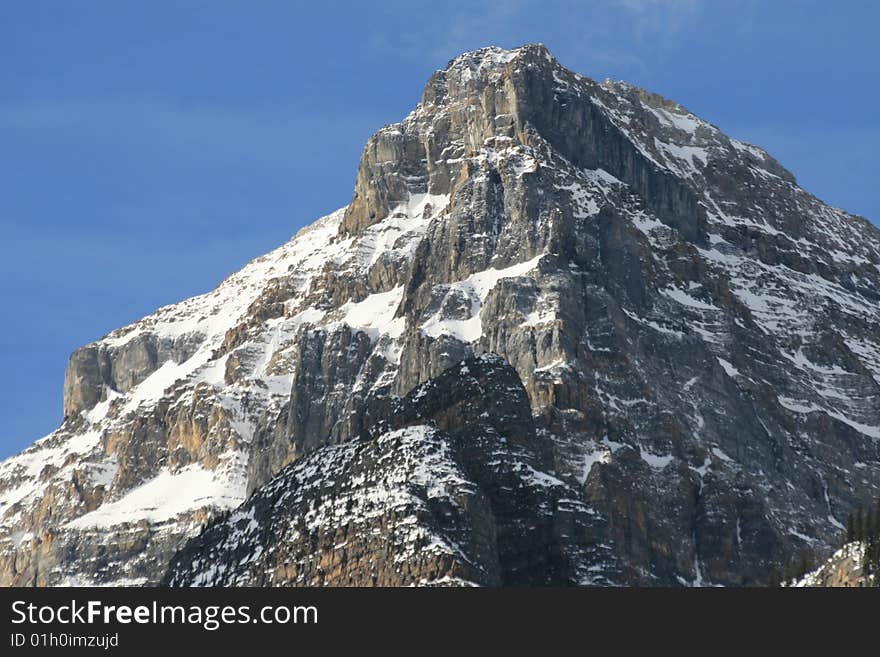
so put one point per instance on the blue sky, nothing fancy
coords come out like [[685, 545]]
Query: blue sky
[[151, 148]]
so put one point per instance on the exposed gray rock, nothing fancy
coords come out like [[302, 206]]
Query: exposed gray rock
[[451, 489], [97, 369]]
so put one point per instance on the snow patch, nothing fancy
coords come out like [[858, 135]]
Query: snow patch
[[166, 496], [476, 288]]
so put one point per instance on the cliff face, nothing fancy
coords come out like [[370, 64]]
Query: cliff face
[[696, 342], [843, 569], [454, 489]]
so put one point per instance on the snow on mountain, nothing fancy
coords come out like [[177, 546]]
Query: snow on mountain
[[844, 568]]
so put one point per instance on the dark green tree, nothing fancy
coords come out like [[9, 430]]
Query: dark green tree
[[805, 565], [877, 517], [869, 525]]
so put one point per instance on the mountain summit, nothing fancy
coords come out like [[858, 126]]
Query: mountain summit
[[566, 332]]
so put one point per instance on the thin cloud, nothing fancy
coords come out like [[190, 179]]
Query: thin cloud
[[598, 33], [660, 16]]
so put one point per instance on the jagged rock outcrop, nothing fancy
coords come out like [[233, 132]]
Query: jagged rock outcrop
[[697, 337], [452, 489], [99, 370], [843, 569]]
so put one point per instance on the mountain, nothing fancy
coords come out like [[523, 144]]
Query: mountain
[[565, 332]]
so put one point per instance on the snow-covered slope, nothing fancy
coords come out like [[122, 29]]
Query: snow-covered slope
[[453, 490], [71, 478], [845, 568]]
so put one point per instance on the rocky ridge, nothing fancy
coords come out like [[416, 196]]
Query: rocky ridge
[[843, 569], [454, 489]]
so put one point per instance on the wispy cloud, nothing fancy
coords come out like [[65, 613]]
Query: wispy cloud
[[617, 32], [497, 22], [662, 18]]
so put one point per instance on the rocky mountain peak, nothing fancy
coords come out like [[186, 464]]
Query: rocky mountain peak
[[677, 348], [472, 71]]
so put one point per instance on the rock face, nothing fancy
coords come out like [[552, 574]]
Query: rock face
[[843, 569], [454, 489], [697, 339]]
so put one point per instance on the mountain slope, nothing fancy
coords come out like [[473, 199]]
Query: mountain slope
[[698, 340], [454, 491], [843, 569]]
